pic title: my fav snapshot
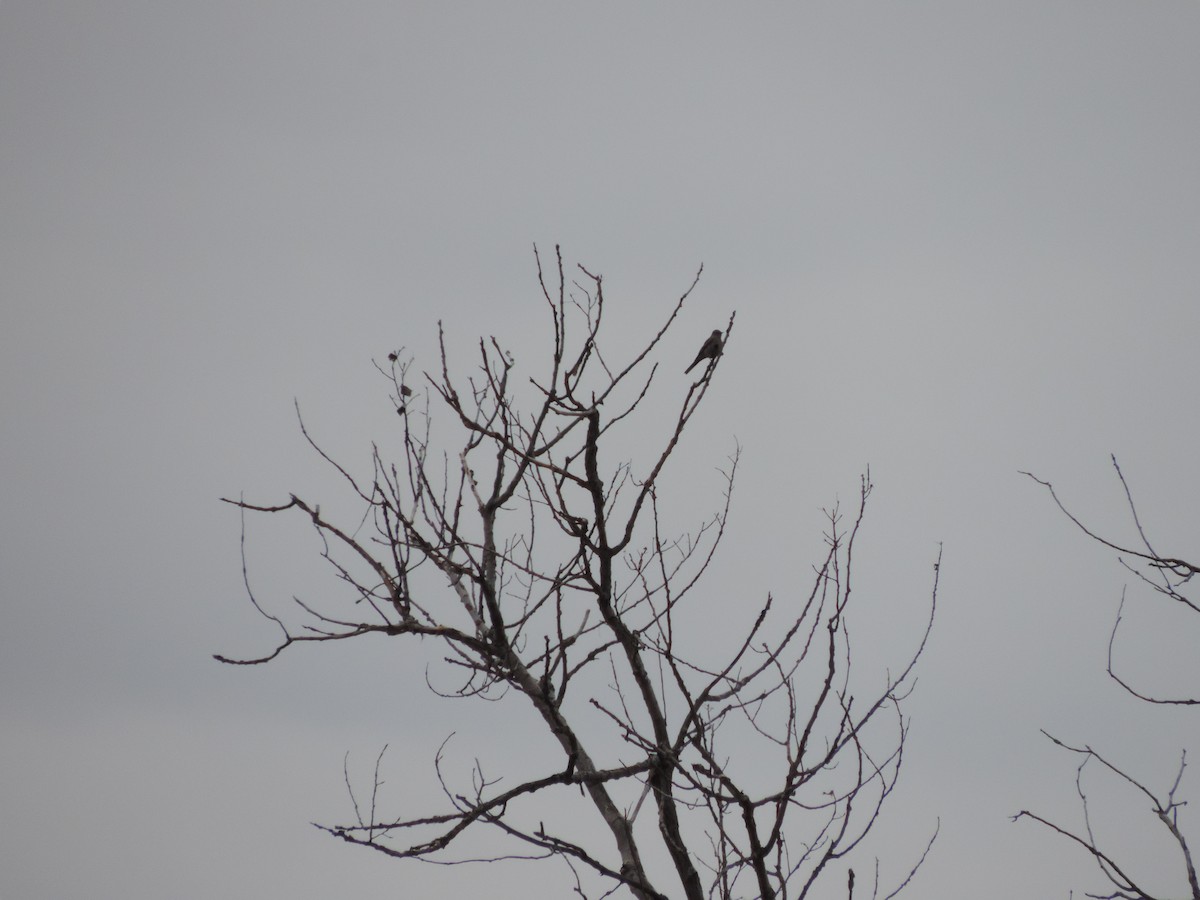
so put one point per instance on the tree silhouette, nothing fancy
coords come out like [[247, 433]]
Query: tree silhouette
[[541, 567]]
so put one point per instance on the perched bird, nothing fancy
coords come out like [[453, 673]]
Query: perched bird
[[711, 348]]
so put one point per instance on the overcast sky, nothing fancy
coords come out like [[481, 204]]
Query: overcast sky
[[961, 240]]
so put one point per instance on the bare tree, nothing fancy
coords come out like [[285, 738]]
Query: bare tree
[[543, 570], [1168, 576]]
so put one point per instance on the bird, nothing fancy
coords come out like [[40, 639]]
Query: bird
[[711, 348]]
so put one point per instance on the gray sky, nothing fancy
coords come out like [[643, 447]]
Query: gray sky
[[961, 240]]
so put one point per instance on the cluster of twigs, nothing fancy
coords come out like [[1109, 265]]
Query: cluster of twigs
[[1169, 577]]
